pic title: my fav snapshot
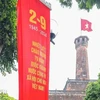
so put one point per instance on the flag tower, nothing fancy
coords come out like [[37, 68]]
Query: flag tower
[[82, 68]]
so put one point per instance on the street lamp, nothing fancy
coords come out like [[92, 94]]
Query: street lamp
[[53, 34]]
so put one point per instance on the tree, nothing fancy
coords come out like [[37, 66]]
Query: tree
[[82, 4], [8, 44], [93, 90], [5, 96]]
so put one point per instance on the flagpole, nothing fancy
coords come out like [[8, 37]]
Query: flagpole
[[80, 27]]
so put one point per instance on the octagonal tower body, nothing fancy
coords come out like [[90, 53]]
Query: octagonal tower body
[[82, 67]]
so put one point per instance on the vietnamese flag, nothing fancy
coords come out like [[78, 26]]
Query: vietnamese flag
[[86, 25]]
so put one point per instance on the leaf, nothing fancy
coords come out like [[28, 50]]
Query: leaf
[[8, 17]]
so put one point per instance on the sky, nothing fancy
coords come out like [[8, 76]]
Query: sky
[[65, 23]]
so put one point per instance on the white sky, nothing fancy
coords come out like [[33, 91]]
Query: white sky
[[63, 53]]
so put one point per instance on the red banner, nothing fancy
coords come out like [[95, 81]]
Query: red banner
[[33, 49]]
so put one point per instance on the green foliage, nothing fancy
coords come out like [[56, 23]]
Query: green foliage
[[8, 54], [66, 3], [5, 96], [86, 4], [82, 4], [93, 90]]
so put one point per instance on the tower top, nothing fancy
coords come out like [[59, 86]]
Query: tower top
[[81, 41]]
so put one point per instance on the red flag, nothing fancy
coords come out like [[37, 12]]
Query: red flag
[[86, 25]]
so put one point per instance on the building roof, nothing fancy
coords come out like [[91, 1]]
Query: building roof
[[77, 82]]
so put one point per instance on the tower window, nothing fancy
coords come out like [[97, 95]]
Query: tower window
[[78, 40], [82, 39]]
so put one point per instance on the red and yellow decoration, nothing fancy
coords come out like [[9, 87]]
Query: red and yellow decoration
[[33, 49]]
